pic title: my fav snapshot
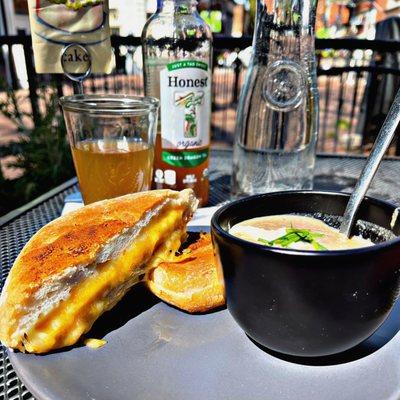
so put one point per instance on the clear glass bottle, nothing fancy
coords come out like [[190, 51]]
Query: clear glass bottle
[[277, 121], [177, 56]]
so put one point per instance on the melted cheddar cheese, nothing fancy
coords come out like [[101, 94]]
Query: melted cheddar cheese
[[65, 324]]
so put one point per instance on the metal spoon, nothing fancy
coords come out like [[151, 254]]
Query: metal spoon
[[381, 144]]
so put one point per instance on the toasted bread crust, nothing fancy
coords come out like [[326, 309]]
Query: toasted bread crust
[[192, 281], [71, 241]]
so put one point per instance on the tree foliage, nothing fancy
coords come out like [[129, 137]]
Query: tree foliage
[[41, 152]]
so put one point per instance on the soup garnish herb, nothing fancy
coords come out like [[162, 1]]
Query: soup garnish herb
[[294, 235], [295, 232]]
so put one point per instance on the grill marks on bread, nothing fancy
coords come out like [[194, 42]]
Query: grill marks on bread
[[77, 238], [70, 247]]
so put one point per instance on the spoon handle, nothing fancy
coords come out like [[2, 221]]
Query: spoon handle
[[381, 144]]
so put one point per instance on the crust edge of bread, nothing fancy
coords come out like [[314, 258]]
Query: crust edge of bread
[[209, 293], [16, 319]]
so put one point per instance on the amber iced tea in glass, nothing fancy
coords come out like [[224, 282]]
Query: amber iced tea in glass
[[112, 143], [112, 168]]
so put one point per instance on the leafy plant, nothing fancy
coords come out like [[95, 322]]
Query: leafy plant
[[343, 123], [41, 153]]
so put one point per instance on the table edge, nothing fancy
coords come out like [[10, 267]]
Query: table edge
[[7, 218]]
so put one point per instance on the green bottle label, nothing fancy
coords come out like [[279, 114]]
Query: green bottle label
[[185, 158]]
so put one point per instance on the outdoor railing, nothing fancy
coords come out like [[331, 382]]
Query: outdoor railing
[[357, 80]]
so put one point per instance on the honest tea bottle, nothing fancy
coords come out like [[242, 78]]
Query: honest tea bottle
[[177, 54]]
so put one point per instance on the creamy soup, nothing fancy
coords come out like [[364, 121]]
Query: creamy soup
[[295, 232]]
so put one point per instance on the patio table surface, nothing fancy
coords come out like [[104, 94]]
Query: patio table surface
[[332, 172]]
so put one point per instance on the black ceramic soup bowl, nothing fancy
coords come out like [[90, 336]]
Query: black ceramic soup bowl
[[308, 303]]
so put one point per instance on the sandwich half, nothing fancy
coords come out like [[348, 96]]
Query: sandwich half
[[79, 266], [192, 281]]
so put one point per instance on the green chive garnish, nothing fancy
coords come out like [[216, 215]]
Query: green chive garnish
[[294, 235]]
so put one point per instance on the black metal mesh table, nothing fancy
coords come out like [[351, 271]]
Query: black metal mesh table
[[331, 173]]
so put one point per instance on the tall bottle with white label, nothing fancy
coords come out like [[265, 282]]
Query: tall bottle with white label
[[177, 56]]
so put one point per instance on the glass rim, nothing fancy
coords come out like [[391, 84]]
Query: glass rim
[[113, 104]]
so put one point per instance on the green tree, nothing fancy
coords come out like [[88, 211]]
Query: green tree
[[42, 152]]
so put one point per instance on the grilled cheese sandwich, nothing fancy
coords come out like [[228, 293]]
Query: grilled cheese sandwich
[[192, 281], [80, 265]]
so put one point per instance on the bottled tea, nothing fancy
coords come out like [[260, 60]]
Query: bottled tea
[[177, 49]]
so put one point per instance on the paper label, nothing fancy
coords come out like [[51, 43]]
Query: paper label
[[185, 94], [184, 158], [56, 24]]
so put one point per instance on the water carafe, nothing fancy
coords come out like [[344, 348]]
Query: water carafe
[[277, 120]]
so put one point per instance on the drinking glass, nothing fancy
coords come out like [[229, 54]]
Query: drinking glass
[[112, 142]]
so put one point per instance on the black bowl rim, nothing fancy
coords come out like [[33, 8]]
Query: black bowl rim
[[325, 253]]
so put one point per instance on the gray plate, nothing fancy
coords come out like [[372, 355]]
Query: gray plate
[[157, 352]]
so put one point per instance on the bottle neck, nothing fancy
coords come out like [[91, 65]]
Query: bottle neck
[[284, 15], [177, 6]]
